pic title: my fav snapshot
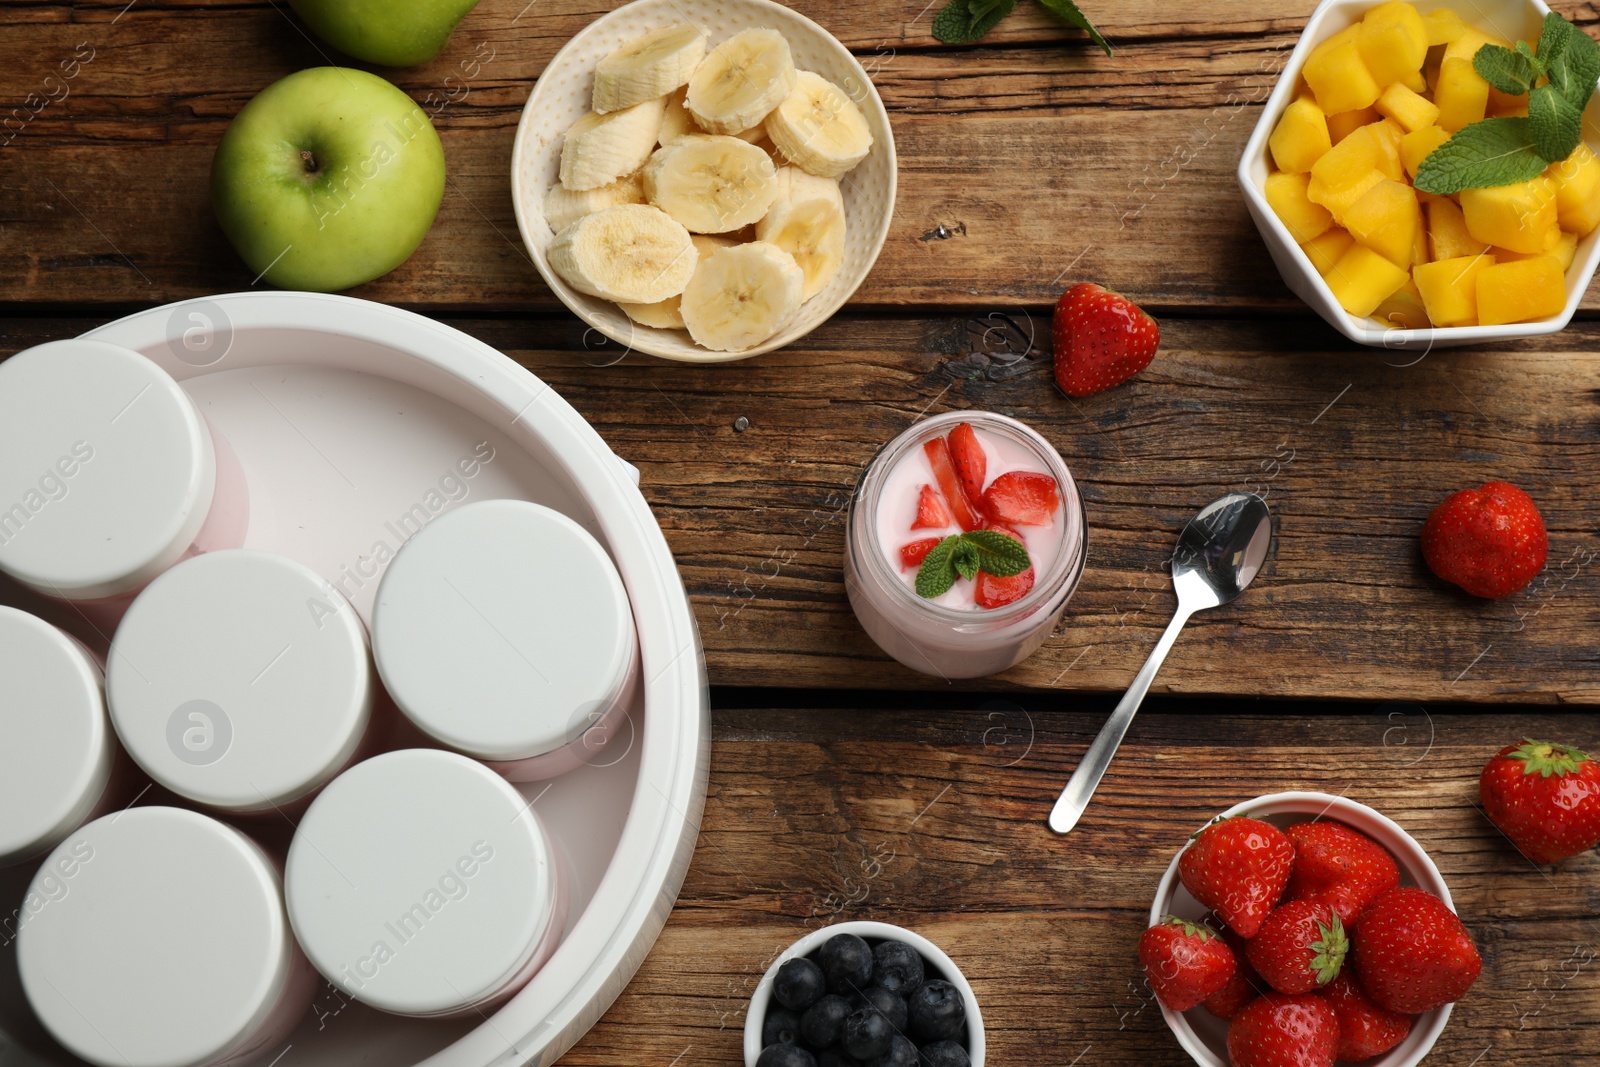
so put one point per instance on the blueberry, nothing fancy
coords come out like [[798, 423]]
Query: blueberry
[[847, 962], [902, 1053], [891, 1005], [785, 1056], [867, 1034], [897, 966], [835, 1058], [799, 984], [780, 1027], [936, 1011], [945, 1054], [823, 1023]]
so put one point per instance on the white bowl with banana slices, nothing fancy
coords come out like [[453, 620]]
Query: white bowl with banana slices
[[704, 180]]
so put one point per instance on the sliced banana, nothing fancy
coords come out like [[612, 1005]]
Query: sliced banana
[[647, 67], [741, 80], [599, 149], [818, 128], [807, 221], [741, 296], [630, 253], [711, 184], [667, 314], [676, 121], [563, 207]]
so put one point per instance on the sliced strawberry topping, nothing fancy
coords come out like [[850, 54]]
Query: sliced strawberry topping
[[971, 464], [913, 554], [992, 592], [1025, 498], [931, 510], [945, 472]]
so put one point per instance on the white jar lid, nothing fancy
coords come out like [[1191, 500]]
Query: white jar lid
[[240, 680], [503, 630], [56, 758], [154, 937], [420, 882], [106, 469]]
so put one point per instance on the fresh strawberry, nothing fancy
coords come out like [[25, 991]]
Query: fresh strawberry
[[967, 454], [1245, 985], [1545, 797], [1365, 1030], [1299, 947], [944, 472], [1412, 953], [1022, 498], [1237, 867], [913, 554], [1339, 867], [1278, 1030], [992, 592], [932, 514], [1101, 339], [1490, 541], [1185, 962]]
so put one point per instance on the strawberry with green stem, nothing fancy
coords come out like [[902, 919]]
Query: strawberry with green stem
[[1300, 947], [1545, 797], [1184, 961]]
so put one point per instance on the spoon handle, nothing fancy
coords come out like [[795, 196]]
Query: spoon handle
[[1081, 786]]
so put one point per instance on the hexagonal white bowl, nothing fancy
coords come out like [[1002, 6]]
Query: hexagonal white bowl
[[1204, 1036], [562, 95], [1512, 19]]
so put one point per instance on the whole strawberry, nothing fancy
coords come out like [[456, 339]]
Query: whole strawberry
[[1101, 339], [1237, 867], [1299, 947], [1490, 541], [1365, 1030], [1412, 953], [1245, 985], [1545, 797], [1185, 962], [1339, 867], [1279, 1030]]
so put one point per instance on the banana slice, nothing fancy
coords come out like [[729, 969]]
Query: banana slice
[[819, 128], [647, 67], [711, 184], [676, 121], [563, 207], [741, 81], [599, 149], [741, 296], [807, 221], [630, 253], [667, 314]]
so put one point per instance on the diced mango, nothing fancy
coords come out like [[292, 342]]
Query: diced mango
[[1447, 232], [1403, 309], [1388, 134], [1443, 26], [1467, 43], [1287, 195], [1300, 137], [1419, 145], [1362, 279], [1416, 81], [1393, 41], [1345, 123], [1387, 220], [1449, 288], [1521, 291], [1407, 108], [1565, 250], [1338, 77], [1347, 170], [1577, 183], [1325, 251], [1461, 95], [1521, 217]]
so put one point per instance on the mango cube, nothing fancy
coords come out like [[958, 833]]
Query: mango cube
[[1521, 217], [1345, 123], [1461, 95], [1577, 184], [1443, 26], [1467, 43], [1403, 309], [1419, 145], [1392, 42], [1521, 291], [1300, 137], [1347, 170], [1337, 75], [1287, 195], [1388, 134], [1387, 220], [1362, 279], [1447, 232], [1449, 288], [1324, 251], [1404, 106], [1565, 251]]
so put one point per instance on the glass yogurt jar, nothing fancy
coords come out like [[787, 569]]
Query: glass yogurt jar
[[937, 481]]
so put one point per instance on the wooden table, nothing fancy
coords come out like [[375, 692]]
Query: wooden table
[[844, 785]]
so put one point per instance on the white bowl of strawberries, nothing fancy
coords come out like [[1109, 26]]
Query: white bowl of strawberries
[[1303, 929]]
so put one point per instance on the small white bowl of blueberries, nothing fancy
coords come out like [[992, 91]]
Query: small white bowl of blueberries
[[863, 994]]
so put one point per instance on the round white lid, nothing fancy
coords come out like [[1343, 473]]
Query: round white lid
[[56, 759], [503, 630], [154, 937], [106, 469], [419, 881], [240, 680]]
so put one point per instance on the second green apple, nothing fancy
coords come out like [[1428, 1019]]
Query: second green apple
[[393, 33]]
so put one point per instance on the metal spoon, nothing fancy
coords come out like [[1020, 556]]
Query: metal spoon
[[1218, 554]]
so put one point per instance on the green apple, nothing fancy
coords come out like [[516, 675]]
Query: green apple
[[328, 178], [392, 33]]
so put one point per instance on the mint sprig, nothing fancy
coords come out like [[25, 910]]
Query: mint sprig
[[965, 21], [1504, 151], [964, 555]]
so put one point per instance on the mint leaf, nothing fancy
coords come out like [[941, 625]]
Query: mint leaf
[[964, 21], [1510, 72], [998, 554], [965, 560], [1575, 67], [1553, 39], [1068, 12], [1556, 125], [938, 573], [1492, 152]]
